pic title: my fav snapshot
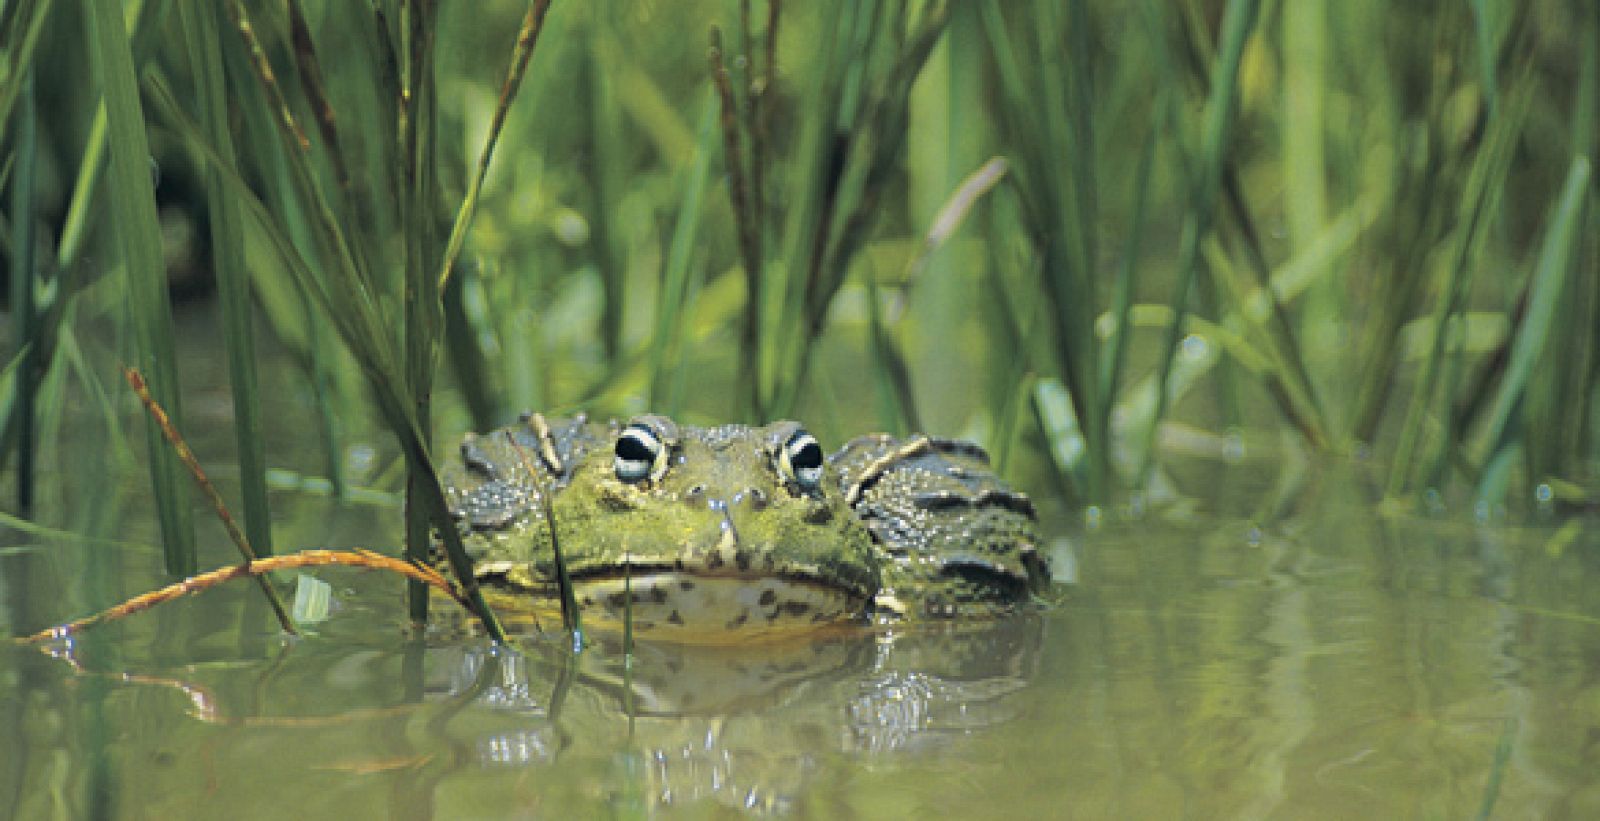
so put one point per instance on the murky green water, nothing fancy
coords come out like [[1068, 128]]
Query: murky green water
[[1341, 665]]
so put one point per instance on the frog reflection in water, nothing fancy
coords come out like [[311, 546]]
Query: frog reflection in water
[[734, 533]]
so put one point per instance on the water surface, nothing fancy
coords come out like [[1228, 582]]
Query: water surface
[[1340, 664]]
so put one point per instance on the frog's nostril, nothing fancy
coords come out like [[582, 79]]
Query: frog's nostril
[[756, 497]]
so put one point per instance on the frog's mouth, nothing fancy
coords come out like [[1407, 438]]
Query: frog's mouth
[[679, 605]]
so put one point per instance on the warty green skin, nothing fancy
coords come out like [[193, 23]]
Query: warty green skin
[[724, 542]]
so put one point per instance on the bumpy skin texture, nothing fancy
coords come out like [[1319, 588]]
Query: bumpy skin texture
[[955, 540], [722, 536]]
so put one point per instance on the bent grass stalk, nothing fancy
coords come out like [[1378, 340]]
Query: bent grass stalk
[[181, 449], [256, 568]]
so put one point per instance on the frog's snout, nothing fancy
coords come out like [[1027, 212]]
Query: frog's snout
[[726, 501]]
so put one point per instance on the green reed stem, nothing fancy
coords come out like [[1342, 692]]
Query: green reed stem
[[666, 349], [29, 19], [874, 113], [346, 298], [751, 361], [26, 331], [133, 212], [1497, 769], [423, 323], [1555, 264], [202, 36], [895, 372], [1481, 196], [608, 140], [527, 39], [1237, 22], [1115, 352]]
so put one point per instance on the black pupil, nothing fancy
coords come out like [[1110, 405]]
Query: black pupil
[[632, 448], [808, 456]]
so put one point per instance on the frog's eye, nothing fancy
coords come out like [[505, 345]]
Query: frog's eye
[[801, 460], [640, 454]]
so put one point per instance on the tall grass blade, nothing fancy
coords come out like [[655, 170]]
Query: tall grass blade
[[29, 19], [847, 169], [346, 300], [312, 83], [26, 331], [1294, 374], [1480, 198], [665, 364], [227, 243], [527, 39], [423, 314], [1044, 74], [1237, 22], [608, 149], [900, 402], [1555, 264], [752, 363], [1484, 18], [133, 212], [1115, 352], [465, 329], [1497, 769], [1284, 381]]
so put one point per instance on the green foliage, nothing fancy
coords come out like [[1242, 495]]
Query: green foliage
[[133, 213], [202, 36], [1276, 220]]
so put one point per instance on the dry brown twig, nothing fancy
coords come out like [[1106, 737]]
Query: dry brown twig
[[364, 559], [185, 455]]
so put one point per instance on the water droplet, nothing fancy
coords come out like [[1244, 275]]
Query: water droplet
[[359, 458], [1092, 517], [1233, 446], [571, 228], [1063, 562], [1195, 346]]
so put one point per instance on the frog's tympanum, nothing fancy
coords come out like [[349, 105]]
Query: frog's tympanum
[[735, 532]]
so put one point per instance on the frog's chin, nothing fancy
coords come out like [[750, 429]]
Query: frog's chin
[[676, 605]]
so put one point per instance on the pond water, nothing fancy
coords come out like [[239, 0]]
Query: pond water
[[1339, 664]]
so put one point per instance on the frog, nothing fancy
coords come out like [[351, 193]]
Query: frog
[[735, 532]]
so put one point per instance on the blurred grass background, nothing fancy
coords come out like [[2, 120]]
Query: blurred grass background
[[1091, 235]]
